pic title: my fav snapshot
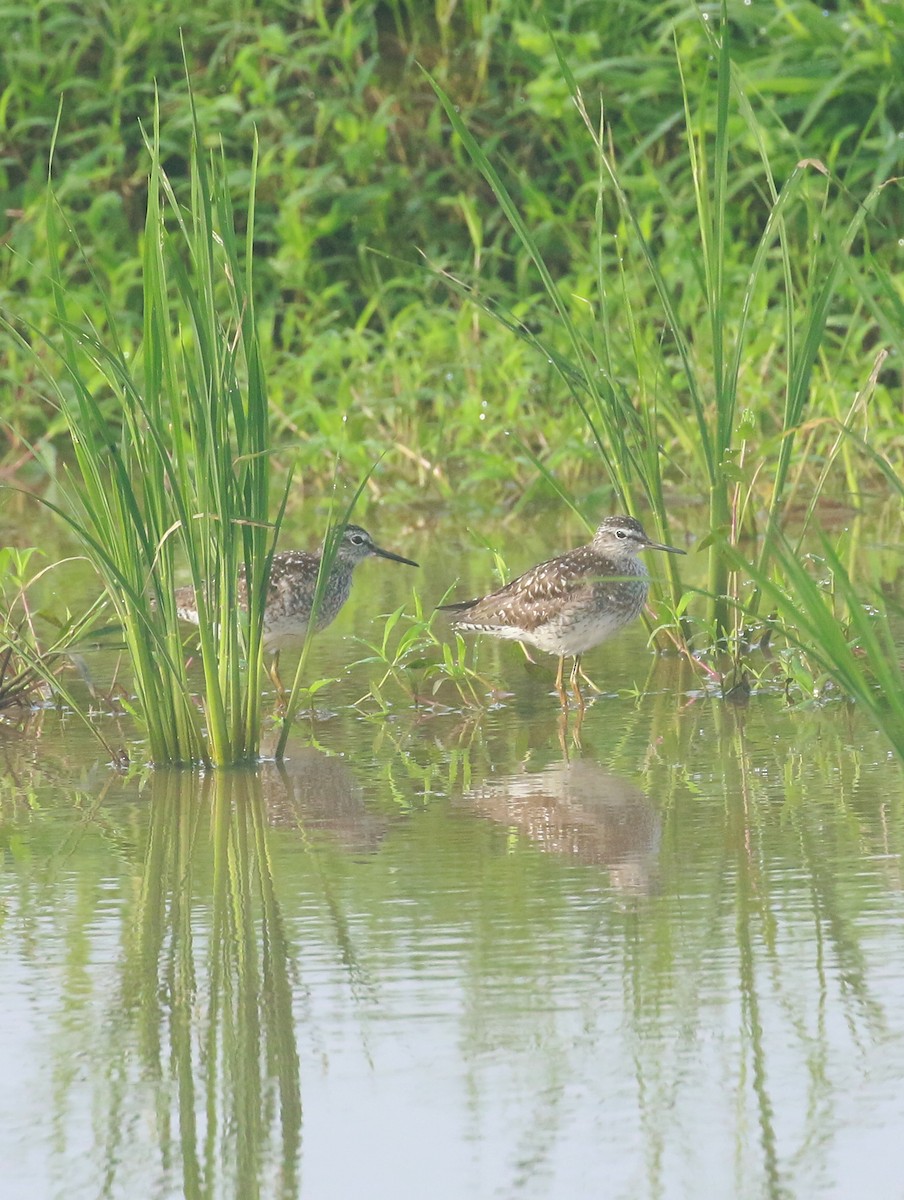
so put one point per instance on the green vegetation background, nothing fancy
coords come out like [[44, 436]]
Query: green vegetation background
[[365, 196]]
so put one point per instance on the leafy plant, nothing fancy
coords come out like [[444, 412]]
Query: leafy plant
[[354, 158], [412, 656], [33, 661], [838, 628], [183, 467]]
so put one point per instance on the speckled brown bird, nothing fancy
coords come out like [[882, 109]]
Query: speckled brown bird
[[571, 603], [291, 588]]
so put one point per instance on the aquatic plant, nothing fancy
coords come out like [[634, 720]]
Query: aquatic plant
[[182, 470], [411, 654], [676, 267], [33, 660], [827, 622]]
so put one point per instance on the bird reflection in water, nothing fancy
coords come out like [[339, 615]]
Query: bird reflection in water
[[317, 791], [580, 810]]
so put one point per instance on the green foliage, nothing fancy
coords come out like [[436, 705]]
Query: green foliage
[[36, 647], [832, 630], [418, 662], [693, 235], [355, 157], [170, 444]]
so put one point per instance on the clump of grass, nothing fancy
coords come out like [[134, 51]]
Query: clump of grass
[[25, 667], [834, 628], [181, 473], [33, 661], [418, 661]]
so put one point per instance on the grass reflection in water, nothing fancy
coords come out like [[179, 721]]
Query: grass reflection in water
[[542, 957]]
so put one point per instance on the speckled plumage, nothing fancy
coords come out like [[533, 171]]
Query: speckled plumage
[[292, 584], [571, 603]]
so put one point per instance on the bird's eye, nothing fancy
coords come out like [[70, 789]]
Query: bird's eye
[[621, 533], [357, 539]]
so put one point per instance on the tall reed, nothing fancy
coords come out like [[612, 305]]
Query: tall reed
[[171, 460]]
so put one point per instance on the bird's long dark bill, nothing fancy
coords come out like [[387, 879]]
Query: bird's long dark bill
[[409, 562], [660, 546], [457, 606]]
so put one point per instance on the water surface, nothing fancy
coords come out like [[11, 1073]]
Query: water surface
[[453, 953]]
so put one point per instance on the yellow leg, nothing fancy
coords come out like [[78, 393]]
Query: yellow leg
[[563, 730], [586, 678], [575, 685], [564, 717], [532, 661], [576, 732], [560, 686], [273, 672]]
